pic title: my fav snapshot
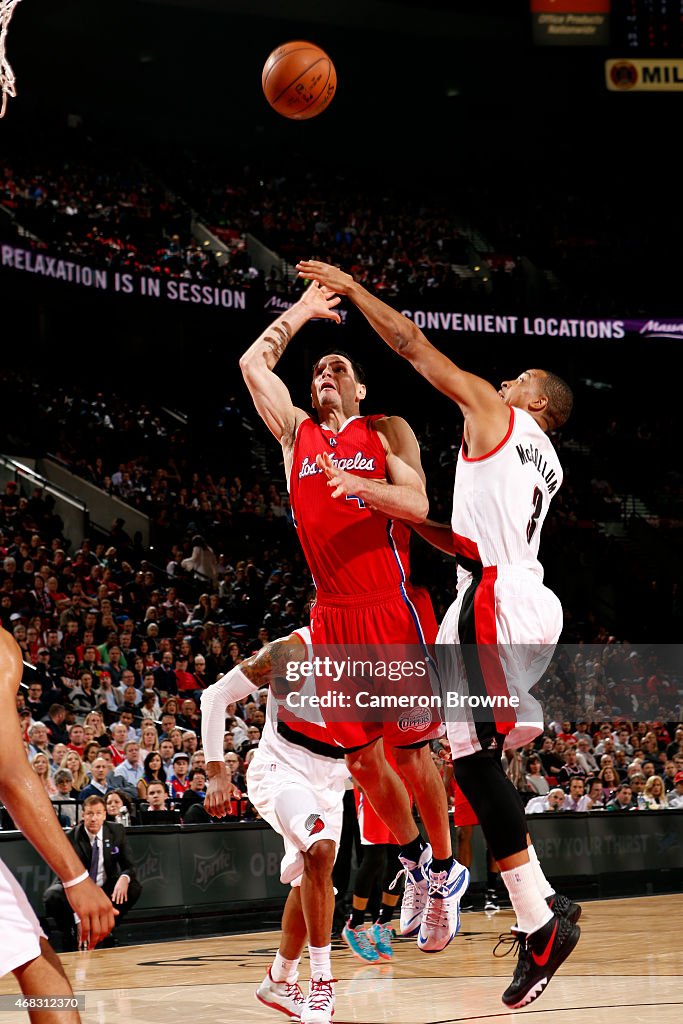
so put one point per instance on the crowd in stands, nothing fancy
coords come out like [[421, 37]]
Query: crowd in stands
[[488, 249], [109, 215]]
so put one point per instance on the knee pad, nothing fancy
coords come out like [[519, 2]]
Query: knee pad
[[494, 800]]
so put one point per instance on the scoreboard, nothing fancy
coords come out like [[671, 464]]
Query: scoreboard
[[647, 28]]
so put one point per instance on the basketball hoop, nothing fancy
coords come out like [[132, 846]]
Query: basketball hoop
[[6, 74]]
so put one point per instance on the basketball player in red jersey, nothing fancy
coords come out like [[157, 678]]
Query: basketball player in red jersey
[[504, 617], [354, 483]]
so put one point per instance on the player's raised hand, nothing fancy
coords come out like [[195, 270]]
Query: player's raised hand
[[341, 482], [319, 302], [325, 274], [219, 792]]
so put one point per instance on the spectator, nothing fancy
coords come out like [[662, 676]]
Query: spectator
[[41, 766], [157, 797], [58, 752], [167, 750], [193, 796], [571, 769], [622, 799], [149, 737], [596, 795], [168, 722], [189, 715], [119, 738], [54, 722], [551, 760], [95, 719], [149, 706], [64, 799], [235, 768], [675, 797], [576, 799], [165, 677], [35, 701], [153, 771], [90, 751], [676, 746], [105, 694], [73, 762], [653, 797], [179, 782], [100, 781], [202, 563], [84, 698], [104, 850], [553, 801], [190, 742], [585, 756], [128, 774], [176, 738], [76, 739], [38, 740], [610, 782], [566, 734], [251, 742], [119, 807]]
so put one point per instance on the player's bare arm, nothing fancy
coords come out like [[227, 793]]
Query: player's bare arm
[[33, 811], [486, 418], [270, 395], [403, 495], [259, 670], [439, 535]]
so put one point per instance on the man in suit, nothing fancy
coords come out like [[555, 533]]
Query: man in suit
[[103, 848]]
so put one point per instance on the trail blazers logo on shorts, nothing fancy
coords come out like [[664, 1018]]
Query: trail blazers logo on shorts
[[314, 824]]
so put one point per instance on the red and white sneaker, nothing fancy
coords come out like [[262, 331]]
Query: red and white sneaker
[[319, 1005], [285, 996]]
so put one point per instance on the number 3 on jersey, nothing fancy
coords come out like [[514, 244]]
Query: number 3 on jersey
[[538, 506]]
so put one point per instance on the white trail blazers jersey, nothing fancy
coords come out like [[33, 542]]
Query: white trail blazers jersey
[[500, 500]]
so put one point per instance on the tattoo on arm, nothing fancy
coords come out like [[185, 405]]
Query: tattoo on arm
[[276, 345], [271, 662]]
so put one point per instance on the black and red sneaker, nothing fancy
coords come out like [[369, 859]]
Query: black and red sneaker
[[540, 955], [564, 907]]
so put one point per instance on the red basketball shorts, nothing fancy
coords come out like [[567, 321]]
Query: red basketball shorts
[[397, 623]]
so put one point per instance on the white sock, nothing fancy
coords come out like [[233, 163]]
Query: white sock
[[321, 965], [544, 886], [283, 969], [530, 907]]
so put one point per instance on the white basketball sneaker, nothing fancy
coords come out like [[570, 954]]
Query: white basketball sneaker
[[415, 892], [318, 1007], [441, 918], [285, 996]]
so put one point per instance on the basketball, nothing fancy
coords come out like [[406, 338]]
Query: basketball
[[299, 80]]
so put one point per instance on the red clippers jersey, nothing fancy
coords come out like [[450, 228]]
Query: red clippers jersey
[[350, 549]]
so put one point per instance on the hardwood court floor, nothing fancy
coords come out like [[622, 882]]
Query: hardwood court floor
[[627, 969]]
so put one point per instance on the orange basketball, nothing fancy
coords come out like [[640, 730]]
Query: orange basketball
[[299, 80]]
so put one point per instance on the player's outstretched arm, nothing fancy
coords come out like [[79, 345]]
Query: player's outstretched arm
[[252, 673], [34, 813], [439, 535], [271, 397], [469, 391]]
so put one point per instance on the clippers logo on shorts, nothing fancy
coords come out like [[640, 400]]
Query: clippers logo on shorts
[[314, 824], [418, 719]]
